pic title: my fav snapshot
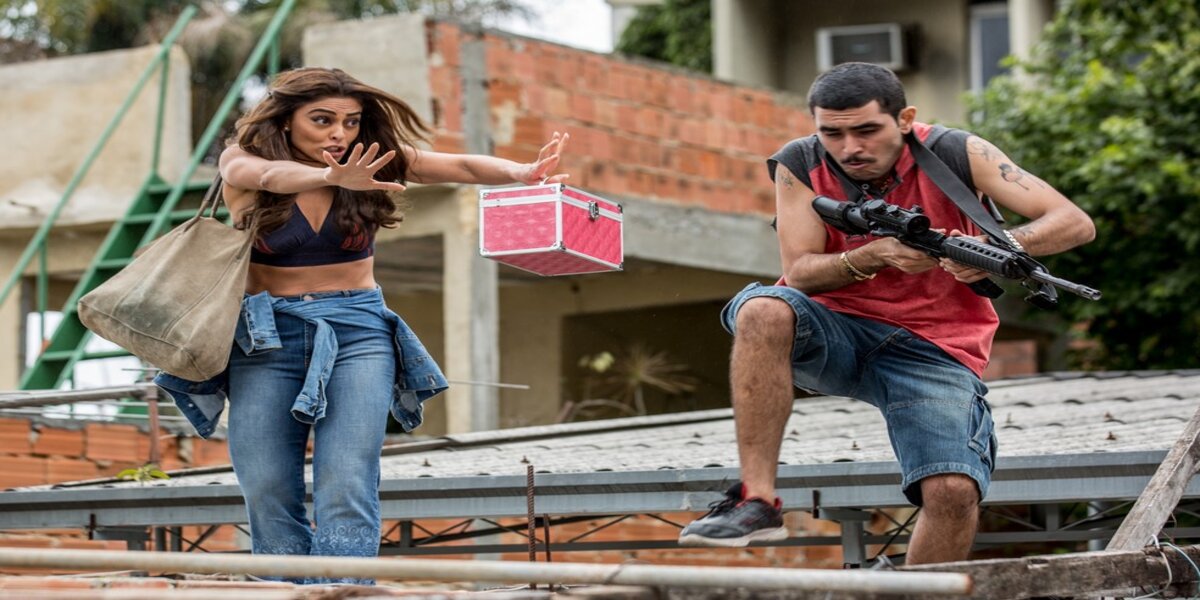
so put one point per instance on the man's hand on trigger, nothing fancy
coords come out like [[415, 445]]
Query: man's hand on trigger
[[960, 271]]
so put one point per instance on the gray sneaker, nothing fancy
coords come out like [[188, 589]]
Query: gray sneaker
[[735, 522]]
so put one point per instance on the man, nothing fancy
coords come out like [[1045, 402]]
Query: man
[[872, 319]]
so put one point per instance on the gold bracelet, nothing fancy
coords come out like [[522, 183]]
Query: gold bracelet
[[851, 270]]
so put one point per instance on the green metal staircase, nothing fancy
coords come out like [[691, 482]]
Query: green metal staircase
[[68, 343], [157, 207]]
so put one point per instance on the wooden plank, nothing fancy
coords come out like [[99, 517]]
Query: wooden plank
[[1073, 574], [1156, 503]]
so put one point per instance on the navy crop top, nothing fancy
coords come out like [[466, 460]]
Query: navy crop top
[[295, 244]]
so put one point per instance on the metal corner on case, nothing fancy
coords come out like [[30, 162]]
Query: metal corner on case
[[559, 245]]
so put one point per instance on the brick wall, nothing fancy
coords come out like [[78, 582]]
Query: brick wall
[[636, 128], [38, 454], [1011, 358]]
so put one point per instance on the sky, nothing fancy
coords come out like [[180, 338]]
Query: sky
[[585, 24]]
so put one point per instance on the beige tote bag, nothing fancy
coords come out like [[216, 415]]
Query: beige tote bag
[[176, 305]]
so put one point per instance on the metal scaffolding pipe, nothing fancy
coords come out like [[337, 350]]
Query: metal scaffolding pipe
[[22, 399], [856, 580]]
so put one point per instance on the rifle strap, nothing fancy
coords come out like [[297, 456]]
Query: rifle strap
[[958, 192]]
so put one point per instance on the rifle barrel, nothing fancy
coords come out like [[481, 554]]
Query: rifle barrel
[[1070, 286]]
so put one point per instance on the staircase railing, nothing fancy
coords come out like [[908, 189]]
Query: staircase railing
[[37, 245], [268, 43]]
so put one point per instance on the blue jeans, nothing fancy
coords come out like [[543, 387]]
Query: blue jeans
[[267, 442], [937, 418]]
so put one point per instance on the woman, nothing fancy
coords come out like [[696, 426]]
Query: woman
[[311, 167]]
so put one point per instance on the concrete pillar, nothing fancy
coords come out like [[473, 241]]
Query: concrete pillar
[[743, 41], [472, 324], [471, 295], [1026, 20], [11, 331]]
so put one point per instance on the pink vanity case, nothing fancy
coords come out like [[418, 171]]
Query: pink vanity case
[[551, 229]]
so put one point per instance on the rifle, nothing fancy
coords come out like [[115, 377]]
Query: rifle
[[911, 228]]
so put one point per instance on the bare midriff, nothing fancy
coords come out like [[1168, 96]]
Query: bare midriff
[[297, 281]]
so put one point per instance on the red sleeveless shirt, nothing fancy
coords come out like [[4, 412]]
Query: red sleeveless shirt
[[932, 305]]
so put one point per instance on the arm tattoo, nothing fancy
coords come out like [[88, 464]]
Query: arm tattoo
[[1014, 174], [788, 181], [1008, 171], [983, 148]]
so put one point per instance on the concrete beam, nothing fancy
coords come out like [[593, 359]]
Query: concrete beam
[[691, 236]]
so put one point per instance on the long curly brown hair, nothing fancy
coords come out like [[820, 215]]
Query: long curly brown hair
[[386, 120]]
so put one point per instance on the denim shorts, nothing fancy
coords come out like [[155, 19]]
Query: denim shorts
[[937, 418]]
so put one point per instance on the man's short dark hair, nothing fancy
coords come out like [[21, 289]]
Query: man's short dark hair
[[854, 84]]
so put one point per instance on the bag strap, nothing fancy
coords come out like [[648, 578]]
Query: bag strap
[[963, 197], [213, 199]]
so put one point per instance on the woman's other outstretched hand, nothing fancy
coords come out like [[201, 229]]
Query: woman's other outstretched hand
[[547, 161], [359, 171]]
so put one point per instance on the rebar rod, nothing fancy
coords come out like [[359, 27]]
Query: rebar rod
[[857, 580]]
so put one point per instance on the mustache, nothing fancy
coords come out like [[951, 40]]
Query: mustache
[[857, 158]]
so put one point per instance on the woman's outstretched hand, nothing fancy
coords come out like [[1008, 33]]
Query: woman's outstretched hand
[[359, 171], [547, 161]]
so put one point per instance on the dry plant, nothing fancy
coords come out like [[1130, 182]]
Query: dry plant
[[619, 382]]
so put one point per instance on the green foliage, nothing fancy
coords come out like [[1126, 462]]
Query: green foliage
[[77, 26], [143, 474], [1110, 117], [676, 31]]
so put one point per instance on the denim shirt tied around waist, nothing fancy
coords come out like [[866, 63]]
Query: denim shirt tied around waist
[[418, 377]]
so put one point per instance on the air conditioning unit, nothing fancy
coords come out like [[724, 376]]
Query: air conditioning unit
[[883, 44]]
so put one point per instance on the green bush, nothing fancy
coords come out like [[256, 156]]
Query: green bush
[[1110, 114]]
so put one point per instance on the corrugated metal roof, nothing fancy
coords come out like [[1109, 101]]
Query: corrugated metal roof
[[1045, 415], [1063, 437]]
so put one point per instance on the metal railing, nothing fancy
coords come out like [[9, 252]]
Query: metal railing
[[60, 404], [856, 581]]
